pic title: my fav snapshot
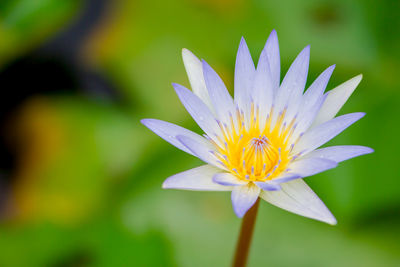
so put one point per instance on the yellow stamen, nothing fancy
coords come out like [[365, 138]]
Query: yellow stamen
[[254, 154]]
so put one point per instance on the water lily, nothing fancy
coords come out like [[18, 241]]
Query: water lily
[[266, 139]]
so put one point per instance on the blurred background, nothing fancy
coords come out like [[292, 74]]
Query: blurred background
[[80, 177]]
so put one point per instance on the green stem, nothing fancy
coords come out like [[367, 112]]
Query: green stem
[[246, 234]]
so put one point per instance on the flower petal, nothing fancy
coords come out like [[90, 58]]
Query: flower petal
[[310, 166], [271, 48], [335, 100], [262, 91], [289, 94], [244, 73], [169, 132], [322, 133], [316, 89], [286, 177], [268, 186], [199, 178], [228, 179], [297, 197], [311, 102], [198, 110], [220, 97], [305, 120], [339, 153], [203, 150], [243, 198], [274, 184], [194, 70]]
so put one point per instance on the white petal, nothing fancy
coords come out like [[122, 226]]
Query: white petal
[[268, 186], [310, 166], [220, 97], [198, 110], [199, 178], [244, 74], [272, 50], [316, 89], [169, 132], [290, 92], [339, 153], [285, 177], [297, 197], [228, 179], [303, 124], [274, 184], [203, 150], [194, 70], [322, 133], [311, 103], [262, 91], [243, 198], [335, 100]]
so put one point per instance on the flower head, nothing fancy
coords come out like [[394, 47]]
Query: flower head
[[265, 140]]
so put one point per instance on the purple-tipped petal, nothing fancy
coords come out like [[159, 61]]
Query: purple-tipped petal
[[243, 198], [311, 102], [310, 166], [297, 197], [317, 88], [268, 186], [227, 179], [169, 132], [274, 184], [304, 122], [262, 91], [198, 110], [220, 97], [286, 177], [336, 98], [321, 134], [339, 153], [292, 87], [194, 70], [272, 51], [244, 74], [199, 178], [203, 151]]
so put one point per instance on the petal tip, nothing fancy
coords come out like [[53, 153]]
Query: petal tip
[[332, 221], [145, 121], [273, 35], [165, 184], [239, 213], [242, 44], [361, 114], [178, 88], [369, 150], [306, 50]]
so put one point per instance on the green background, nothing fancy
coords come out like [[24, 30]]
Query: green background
[[87, 187]]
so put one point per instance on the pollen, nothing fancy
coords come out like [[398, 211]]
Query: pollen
[[253, 152]]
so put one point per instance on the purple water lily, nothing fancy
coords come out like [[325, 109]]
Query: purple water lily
[[262, 142]]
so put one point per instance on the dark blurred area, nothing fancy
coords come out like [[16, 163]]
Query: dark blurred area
[[80, 177], [55, 67]]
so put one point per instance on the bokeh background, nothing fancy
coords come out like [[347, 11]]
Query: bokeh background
[[80, 177]]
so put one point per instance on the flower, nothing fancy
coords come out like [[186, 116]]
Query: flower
[[265, 140]]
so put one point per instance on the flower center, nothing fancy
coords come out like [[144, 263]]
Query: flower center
[[255, 154]]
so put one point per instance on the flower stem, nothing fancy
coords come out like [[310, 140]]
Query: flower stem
[[246, 234]]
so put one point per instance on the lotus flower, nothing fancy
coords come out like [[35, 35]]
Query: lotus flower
[[266, 139]]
